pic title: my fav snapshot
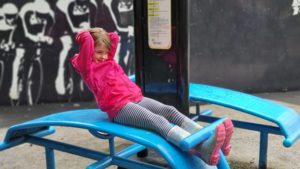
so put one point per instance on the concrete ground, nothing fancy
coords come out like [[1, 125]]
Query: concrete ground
[[244, 154]]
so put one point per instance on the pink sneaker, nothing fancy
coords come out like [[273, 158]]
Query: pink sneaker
[[229, 131], [209, 150]]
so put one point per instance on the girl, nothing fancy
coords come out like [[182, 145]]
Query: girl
[[124, 103]]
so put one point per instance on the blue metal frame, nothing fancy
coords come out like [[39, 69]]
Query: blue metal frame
[[97, 123]]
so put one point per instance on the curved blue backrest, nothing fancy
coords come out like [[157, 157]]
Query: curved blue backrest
[[286, 118]]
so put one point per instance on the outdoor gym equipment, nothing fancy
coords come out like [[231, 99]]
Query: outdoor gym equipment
[[97, 123]]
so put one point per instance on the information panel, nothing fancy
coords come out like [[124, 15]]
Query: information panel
[[159, 24]]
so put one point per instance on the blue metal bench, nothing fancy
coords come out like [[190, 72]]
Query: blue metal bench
[[97, 123], [287, 119]]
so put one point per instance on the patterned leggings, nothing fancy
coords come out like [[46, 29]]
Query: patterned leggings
[[151, 115]]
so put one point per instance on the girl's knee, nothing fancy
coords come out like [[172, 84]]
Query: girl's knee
[[169, 108], [158, 120]]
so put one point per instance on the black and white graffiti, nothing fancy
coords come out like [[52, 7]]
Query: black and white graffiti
[[296, 7], [37, 40]]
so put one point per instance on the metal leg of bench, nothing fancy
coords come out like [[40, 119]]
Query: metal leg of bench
[[50, 160], [263, 149], [197, 108]]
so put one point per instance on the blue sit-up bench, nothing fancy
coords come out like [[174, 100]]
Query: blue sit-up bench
[[97, 123], [286, 119]]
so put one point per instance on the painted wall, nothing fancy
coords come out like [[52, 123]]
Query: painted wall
[[249, 45], [37, 40]]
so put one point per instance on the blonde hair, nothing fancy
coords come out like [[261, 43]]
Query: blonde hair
[[100, 36]]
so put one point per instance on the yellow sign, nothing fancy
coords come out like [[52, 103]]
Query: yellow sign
[[159, 24]]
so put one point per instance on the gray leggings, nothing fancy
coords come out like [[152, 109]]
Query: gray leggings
[[151, 115]]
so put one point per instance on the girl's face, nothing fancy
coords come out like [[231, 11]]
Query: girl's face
[[101, 53]]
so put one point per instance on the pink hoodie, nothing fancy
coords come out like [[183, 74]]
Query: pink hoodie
[[110, 85]]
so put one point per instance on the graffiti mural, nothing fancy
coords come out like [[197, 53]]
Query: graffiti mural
[[37, 41]]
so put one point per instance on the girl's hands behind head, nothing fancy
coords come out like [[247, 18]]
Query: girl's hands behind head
[[80, 36]]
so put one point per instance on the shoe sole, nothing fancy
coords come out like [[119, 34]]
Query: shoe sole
[[220, 138], [215, 155], [229, 131]]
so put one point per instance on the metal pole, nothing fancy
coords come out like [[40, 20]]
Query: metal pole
[[263, 149], [50, 160]]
